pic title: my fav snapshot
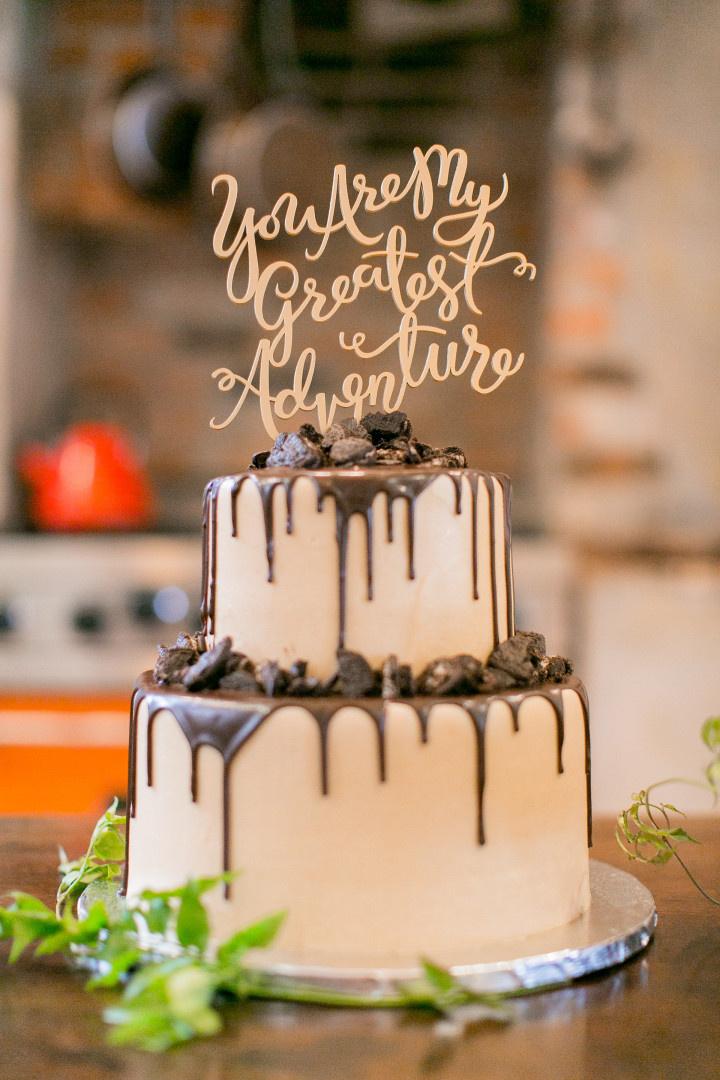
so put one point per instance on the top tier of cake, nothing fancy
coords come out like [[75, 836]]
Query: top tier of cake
[[410, 561]]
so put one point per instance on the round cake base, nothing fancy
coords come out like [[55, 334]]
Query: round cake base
[[619, 924]]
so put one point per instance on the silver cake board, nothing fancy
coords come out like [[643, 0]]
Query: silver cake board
[[618, 924]]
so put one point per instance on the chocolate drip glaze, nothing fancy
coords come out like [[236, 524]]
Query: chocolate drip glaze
[[478, 711], [490, 488], [358, 498], [473, 534], [205, 585], [267, 497], [228, 723], [582, 694], [509, 587], [209, 565], [131, 782], [352, 498]]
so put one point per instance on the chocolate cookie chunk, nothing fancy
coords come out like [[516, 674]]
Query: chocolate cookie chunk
[[451, 675], [295, 451], [355, 676], [386, 427], [397, 679], [171, 664], [206, 672], [555, 668], [241, 681], [272, 678], [352, 451], [520, 656]]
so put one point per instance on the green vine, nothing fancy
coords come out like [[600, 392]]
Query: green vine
[[175, 990], [645, 830]]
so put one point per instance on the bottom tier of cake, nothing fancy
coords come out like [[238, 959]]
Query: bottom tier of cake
[[385, 829]]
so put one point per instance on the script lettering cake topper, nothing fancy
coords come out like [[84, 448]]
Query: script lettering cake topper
[[280, 293]]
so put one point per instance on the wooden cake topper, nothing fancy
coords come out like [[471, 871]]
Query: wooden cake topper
[[280, 293]]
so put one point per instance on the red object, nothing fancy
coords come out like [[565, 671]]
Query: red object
[[91, 480]]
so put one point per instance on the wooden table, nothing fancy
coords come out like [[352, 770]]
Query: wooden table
[[657, 1017]]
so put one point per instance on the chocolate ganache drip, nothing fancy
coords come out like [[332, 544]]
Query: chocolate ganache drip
[[227, 723], [353, 494]]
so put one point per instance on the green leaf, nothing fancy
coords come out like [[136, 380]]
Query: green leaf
[[681, 834], [192, 925], [710, 733], [110, 845], [439, 978], [119, 966], [199, 886], [149, 980], [94, 922], [117, 953], [257, 936], [23, 935], [189, 991], [157, 915], [153, 1029], [54, 943], [23, 901], [172, 1007], [713, 774]]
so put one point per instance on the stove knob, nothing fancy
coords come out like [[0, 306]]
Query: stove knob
[[141, 605], [151, 607], [89, 620], [7, 620]]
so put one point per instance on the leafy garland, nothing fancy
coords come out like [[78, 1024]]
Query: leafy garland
[[645, 831], [176, 993]]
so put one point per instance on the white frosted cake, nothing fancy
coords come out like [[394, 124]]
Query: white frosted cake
[[359, 729]]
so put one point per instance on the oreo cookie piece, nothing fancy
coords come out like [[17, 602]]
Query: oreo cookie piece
[[298, 669], [295, 451], [310, 432], [172, 664], [451, 675], [450, 457], [194, 642], [352, 451], [238, 661], [385, 427], [273, 680], [423, 450], [260, 460], [355, 677], [344, 429], [520, 656], [495, 680], [453, 457], [390, 455], [206, 672], [397, 680], [412, 453], [241, 681], [555, 668]]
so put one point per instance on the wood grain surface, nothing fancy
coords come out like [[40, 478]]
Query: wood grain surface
[[656, 1017]]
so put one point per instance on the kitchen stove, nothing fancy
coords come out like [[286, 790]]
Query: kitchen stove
[[85, 613]]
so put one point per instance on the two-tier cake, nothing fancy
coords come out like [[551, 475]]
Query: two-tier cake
[[359, 728]]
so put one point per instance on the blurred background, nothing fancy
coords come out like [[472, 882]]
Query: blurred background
[[115, 115]]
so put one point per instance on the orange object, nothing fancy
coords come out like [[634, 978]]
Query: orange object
[[61, 753], [91, 480], [61, 779]]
